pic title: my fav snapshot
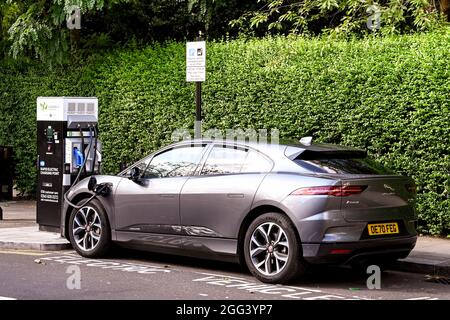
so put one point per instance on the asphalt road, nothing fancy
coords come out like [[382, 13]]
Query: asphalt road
[[137, 275]]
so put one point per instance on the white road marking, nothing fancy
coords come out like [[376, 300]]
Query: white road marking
[[127, 267], [290, 292], [7, 298], [422, 298]]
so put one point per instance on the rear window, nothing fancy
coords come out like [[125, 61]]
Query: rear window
[[342, 166]]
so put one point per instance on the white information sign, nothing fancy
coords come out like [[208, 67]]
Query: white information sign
[[196, 61]]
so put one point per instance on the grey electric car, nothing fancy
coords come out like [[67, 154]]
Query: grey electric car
[[276, 208]]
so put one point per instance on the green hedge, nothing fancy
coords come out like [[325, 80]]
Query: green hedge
[[387, 95]]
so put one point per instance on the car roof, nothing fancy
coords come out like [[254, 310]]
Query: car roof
[[281, 154], [270, 148]]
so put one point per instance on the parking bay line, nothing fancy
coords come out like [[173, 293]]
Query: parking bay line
[[291, 292], [107, 264], [423, 298]]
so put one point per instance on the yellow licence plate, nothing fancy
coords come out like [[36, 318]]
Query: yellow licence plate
[[383, 228]]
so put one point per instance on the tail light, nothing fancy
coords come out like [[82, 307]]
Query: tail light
[[336, 191], [411, 187]]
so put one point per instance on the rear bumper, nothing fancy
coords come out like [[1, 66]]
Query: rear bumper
[[359, 251]]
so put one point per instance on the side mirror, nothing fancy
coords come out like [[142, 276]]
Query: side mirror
[[135, 174], [92, 183]]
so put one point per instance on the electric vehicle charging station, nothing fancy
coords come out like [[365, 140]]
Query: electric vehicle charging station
[[68, 151]]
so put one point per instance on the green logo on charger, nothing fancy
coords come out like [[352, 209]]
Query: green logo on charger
[[44, 106]]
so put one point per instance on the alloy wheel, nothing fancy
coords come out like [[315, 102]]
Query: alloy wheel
[[269, 248], [87, 228]]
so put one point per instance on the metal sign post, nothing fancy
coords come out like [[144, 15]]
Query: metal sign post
[[196, 72], [198, 110]]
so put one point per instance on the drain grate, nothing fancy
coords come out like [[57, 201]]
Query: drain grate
[[437, 279]]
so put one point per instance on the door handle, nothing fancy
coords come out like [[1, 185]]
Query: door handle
[[235, 195], [167, 195]]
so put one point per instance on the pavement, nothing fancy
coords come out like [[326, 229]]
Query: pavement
[[430, 256], [18, 214], [18, 230]]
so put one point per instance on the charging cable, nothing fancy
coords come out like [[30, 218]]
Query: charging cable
[[79, 173]]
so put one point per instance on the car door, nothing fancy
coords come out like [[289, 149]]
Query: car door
[[214, 202], [151, 205]]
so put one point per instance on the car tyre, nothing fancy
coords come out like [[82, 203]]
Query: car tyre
[[272, 249], [89, 230]]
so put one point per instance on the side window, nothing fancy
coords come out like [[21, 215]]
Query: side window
[[224, 160], [256, 162], [178, 162]]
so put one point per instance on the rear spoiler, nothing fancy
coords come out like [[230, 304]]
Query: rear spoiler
[[324, 153], [341, 154]]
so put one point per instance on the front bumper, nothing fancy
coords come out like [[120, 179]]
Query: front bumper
[[373, 250]]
